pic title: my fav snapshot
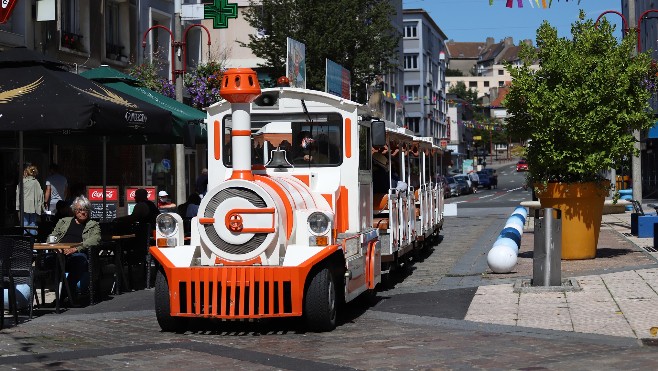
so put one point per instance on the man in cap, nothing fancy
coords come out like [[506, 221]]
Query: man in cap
[[164, 203]]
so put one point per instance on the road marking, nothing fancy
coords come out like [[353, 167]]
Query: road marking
[[485, 196]]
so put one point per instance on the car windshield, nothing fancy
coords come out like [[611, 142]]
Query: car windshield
[[451, 180]]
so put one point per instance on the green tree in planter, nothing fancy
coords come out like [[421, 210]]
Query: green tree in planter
[[581, 106]]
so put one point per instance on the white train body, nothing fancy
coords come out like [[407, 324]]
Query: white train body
[[287, 226]]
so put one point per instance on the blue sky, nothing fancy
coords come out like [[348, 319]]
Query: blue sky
[[475, 20]]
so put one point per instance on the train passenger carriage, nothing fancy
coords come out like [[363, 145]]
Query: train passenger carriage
[[288, 227]]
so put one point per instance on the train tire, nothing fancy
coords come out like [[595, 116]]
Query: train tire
[[320, 304], [167, 322]]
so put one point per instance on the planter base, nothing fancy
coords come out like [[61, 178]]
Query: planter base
[[582, 208]]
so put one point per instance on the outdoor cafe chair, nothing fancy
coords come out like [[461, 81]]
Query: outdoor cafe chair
[[16, 267]]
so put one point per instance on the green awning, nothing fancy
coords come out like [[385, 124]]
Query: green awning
[[187, 120]]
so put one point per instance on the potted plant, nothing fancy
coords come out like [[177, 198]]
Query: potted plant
[[579, 111]]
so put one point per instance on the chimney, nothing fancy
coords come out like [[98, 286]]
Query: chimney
[[240, 87]]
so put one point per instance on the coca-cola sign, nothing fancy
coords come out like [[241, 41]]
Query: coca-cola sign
[[6, 7], [130, 193], [96, 193]]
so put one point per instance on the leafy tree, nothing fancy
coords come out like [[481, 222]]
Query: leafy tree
[[581, 106], [357, 34], [460, 90], [451, 72]]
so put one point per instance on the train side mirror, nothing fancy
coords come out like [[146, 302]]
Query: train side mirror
[[378, 133]]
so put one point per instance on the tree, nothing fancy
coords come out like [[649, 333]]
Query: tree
[[460, 90], [581, 106], [357, 34]]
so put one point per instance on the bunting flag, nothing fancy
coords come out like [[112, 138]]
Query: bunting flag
[[543, 4]]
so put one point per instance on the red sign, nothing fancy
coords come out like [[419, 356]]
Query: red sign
[[95, 193], [130, 193], [6, 7]]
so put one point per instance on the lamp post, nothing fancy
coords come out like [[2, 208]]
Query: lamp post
[[176, 75]]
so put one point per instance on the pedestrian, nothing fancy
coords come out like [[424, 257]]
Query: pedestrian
[[32, 199], [202, 183], [190, 208], [56, 188], [164, 203]]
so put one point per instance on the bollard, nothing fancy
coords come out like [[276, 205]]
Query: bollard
[[546, 261]]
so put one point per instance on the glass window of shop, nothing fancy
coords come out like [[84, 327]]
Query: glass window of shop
[[159, 167]]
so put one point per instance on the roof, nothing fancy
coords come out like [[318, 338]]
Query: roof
[[464, 50], [502, 93]]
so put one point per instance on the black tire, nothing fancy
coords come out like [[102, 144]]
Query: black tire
[[162, 308], [320, 304]]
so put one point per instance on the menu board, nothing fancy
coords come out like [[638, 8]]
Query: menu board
[[95, 196]]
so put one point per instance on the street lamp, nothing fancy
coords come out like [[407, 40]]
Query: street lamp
[[176, 74]]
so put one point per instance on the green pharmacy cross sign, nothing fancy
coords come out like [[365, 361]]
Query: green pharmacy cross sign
[[220, 11]]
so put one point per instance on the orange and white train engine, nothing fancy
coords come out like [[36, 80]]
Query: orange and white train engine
[[285, 229]]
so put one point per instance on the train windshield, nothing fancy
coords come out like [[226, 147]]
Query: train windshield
[[316, 143]]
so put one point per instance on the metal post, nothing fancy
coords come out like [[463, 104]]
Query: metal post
[[636, 162], [180, 148], [547, 254]]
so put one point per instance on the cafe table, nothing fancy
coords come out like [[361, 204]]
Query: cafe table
[[115, 243], [60, 266]]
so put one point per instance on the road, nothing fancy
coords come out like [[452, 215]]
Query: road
[[417, 322]]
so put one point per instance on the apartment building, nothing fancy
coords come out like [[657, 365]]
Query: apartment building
[[425, 60], [482, 64]]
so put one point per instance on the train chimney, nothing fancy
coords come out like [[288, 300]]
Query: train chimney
[[240, 87]]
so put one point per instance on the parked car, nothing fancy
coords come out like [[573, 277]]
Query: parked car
[[454, 187], [443, 182], [522, 165], [485, 181], [465, 178], [493, 176], [463, 186]]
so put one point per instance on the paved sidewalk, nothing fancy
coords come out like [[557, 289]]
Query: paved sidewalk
[[619, 295]]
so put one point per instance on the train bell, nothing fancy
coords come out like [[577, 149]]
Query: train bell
[[278, 159]]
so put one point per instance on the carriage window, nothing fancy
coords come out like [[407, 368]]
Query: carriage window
[[317, 143]]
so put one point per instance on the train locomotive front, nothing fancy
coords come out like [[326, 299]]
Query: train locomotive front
[[265, 242]]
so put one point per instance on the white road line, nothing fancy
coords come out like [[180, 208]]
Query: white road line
[[485, 196]]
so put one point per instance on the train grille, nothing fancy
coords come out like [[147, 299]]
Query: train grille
[[238, 292], [255, 242]]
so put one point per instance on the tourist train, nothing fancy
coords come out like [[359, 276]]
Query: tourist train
[[310, 202]]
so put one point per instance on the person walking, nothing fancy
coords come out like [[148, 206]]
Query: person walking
[[33, 199], [56, 187], [202, 183]]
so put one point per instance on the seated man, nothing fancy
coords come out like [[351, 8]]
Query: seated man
[[79, 228], [144, 211]]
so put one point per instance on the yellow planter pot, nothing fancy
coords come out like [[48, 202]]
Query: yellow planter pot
[[582, 207]]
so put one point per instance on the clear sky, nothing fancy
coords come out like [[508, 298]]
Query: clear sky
[[475, 20]]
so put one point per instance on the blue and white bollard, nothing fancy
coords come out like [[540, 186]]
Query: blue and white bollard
[[504, 253]]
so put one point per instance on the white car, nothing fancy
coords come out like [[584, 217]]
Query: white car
[[466, 178]]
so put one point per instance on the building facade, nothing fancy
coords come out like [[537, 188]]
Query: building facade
[[425, 59]]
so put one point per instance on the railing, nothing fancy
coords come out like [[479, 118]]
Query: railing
[[113, 51], [72, 41]]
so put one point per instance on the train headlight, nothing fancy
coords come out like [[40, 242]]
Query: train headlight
[[318, 223], [166, 224]]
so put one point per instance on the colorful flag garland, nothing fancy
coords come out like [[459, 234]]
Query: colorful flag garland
[[510, 3]]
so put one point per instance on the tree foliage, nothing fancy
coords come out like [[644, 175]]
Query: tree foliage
[[468, 94], [357, 34], [580, 107]]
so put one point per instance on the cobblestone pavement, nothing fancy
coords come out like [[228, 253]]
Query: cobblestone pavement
[[417, 323]]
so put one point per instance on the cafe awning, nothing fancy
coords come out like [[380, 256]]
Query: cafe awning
[[187, 120]]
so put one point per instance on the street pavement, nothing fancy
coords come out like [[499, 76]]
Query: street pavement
[[445, 310]]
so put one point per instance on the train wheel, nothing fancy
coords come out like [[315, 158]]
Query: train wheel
[[166, 321], [320, 305]]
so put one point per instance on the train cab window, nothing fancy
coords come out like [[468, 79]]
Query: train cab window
[[317, 143]]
